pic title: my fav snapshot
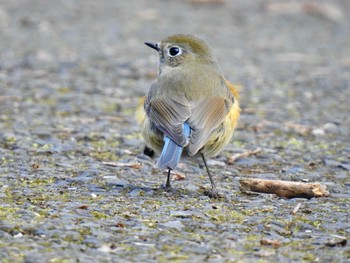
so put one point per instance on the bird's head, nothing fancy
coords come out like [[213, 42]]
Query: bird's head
[[179, 49]]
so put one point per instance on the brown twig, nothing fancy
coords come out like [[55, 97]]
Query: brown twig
[[270, 242], [284, 189], [134, 165], [235, 157], [298, 128], [296, 209], [251, 170]]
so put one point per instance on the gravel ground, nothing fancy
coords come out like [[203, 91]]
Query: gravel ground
[[75, 185]]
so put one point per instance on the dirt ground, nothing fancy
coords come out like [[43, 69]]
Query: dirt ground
[[75, 185]]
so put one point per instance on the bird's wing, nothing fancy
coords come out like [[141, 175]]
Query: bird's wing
[[169, 115], [206, 115]]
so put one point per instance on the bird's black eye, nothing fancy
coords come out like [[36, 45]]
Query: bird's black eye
[[174, 51]]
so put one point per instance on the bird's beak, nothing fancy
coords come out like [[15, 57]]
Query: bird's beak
[[153, 45]]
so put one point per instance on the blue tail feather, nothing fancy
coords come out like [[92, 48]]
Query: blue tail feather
[[171, 152]]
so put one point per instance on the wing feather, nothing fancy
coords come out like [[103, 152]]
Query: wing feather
[[169, 115], [206, 116]]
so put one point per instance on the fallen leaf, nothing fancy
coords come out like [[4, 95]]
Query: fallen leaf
[[179, 176]]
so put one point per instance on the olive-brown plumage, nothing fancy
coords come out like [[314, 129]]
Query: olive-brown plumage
[[189, 90]]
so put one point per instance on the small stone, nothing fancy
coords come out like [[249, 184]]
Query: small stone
[[176, 224]]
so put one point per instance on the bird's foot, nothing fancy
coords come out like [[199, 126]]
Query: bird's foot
[[212, 193], [165, 187]]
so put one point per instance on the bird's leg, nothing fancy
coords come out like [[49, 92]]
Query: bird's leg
[[213, 193], [167, 185], [213, 186]]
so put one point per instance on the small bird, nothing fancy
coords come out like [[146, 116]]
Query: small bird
[[190, 105]]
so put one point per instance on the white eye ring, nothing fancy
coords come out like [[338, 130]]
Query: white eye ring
[[174, 51]]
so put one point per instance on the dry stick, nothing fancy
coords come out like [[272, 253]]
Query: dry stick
[[284, 189], [296, 209], [270, 242], [233, 158], [134, 165]]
